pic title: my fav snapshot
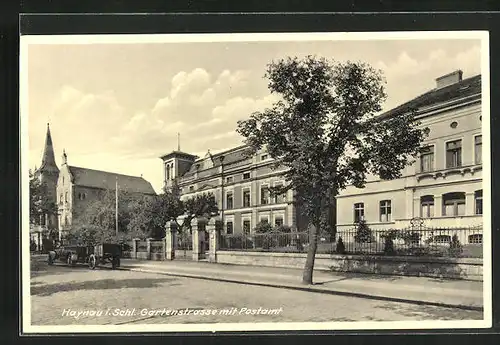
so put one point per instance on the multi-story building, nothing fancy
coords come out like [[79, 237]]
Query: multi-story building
[[73, 188], [240, 185], [78, 187], [443, 186]]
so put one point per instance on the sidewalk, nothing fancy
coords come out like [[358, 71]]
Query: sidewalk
[[419, 290]]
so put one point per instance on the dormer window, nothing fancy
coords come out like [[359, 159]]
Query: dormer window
[[264, 157], [191, 188], [246, 176]]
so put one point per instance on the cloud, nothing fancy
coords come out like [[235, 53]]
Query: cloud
[[203, 111], [408, 77], [80, 122]]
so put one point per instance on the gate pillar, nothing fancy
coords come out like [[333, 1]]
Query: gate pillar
[[170, 240], [198, 226], [214, 227]]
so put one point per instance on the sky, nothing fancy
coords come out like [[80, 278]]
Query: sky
[[118, 107]]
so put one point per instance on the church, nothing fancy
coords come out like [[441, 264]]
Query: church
[[72, 188]]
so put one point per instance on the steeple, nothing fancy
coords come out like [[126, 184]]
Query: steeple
[[48, 159]]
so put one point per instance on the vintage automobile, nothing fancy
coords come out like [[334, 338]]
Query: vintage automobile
[[91, 255]]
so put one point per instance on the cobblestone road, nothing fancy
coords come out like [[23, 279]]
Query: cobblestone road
[[58, 293]]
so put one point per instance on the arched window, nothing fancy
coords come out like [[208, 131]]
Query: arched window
[[476, 239], [454, 204], [427, 206], [168, 172]]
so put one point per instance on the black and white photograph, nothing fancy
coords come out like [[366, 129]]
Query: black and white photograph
[[255, 182]]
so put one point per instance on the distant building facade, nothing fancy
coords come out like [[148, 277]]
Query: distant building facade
[[47, 173], [78, 187], [443, 187], [73, 188], [240, 185]]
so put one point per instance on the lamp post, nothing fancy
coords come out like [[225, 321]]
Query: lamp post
[[116, 205], [221, 158]]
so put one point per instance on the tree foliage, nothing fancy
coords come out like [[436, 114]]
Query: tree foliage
[[325, 131], [40, 203], [202, 205]]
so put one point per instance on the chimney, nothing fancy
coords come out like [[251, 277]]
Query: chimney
[[449, 79]]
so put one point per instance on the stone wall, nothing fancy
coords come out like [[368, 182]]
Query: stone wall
[[439, 267]]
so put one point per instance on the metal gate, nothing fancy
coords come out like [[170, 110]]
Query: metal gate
[[184, 250]]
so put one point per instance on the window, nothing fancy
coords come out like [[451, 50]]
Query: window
[[229, 179], [476, 239], [454, 204], [441, 239], [278, 221], [359, 212], [246, 176], [478, 149], [264, 195], [427, 159], [229, 200], [264, 220], [246, 227], [264, 157], [427, 206], [385, 211], [168, 172], [246, 198], [478, 198], [279, 198], [454, 154], [191, 188], [229, 228], [66, 197], [60, 199]]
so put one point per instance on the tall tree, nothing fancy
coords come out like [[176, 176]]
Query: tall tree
[[203, 205], [98, 220], [40, 203], [325, 131]]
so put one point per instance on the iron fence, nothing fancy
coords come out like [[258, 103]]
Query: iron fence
[[272, 241], [142, 246], [157, 247], [411, 241]]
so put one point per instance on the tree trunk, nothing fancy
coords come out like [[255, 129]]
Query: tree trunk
[[307, 277]]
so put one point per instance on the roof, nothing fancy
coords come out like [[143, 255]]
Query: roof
[[107, 180], [48, 160], [467, 87], [233, 155], [178, 154]]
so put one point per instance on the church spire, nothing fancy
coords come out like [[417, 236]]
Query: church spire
[[48, 159]]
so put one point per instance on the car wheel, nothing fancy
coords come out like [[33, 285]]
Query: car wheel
[[92, 262]]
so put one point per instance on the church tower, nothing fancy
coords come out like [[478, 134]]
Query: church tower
[[48, 173]]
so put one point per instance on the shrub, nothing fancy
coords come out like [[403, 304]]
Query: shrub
[[283, 229], [389, 246], [263, 227], [455, 246], [340, 248], [363, 233]]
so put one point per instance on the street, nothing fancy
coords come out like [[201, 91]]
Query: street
[[62, 295]]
